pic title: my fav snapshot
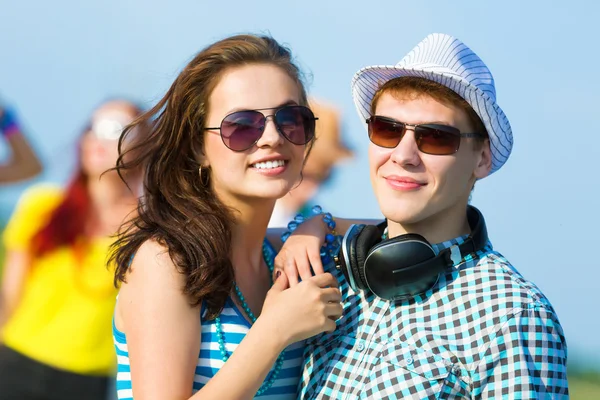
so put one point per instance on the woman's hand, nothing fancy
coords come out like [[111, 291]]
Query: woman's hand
[[307, 309], [302, 250]]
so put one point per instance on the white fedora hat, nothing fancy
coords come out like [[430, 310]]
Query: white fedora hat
[[445, 60]]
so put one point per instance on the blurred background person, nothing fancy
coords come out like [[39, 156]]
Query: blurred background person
[[57, 294], [327, 151], [23, 163]]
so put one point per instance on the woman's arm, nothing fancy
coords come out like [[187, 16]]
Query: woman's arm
[[163, 331], [16, 267], [319, 230], [24, 163], [300, 254]]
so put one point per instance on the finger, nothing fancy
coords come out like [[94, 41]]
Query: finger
[[331, 295], [303, 265], [330, 326], [280, 260], [324, 280], [276, 272], [291, 272], [281, 283], [334, 310], [314, 256]]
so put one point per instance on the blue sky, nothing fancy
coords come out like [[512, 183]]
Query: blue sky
[[59, 59]]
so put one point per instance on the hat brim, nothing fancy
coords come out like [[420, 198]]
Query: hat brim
[[368, 80]]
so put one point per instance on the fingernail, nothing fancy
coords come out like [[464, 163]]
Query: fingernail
[[277, 274]]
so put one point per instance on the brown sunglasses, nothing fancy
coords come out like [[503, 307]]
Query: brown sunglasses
[[439, 140]]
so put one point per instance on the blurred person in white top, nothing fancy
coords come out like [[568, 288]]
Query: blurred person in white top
[[328, 151]]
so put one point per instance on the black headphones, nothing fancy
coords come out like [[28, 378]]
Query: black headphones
[[404, 266]]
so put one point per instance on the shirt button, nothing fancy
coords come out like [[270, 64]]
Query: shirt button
[[409, 361], [361, 345]]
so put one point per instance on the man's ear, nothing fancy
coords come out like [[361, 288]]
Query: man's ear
[[484, 160]]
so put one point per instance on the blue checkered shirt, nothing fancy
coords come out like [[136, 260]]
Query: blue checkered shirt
[[482, 332]]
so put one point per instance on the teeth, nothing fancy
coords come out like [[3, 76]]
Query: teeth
[[269, 164]]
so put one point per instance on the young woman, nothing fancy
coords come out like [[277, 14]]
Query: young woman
[[57, 296], [228, 139]]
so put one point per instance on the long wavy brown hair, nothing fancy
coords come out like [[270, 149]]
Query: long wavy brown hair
[[178, 209]]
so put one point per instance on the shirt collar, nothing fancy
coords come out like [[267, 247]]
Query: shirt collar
[[449, 243]]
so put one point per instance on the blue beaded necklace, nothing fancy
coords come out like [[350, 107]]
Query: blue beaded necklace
[[225, 355]]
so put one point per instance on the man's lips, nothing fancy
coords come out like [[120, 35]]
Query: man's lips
[[403, 182]]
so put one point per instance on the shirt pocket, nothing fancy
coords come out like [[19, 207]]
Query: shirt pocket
[[405, 371]]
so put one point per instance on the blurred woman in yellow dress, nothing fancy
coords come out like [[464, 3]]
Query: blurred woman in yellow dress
[[57, 294]]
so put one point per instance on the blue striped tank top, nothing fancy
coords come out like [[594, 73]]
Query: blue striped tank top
[[234, 327]]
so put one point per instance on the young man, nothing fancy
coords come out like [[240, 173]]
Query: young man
[[465, 323]]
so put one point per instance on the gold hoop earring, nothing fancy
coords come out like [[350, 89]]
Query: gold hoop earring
[[203, 180]]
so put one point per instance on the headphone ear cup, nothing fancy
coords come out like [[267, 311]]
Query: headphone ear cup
[[365, 240]]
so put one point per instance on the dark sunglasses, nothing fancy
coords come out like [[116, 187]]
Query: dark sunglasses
[[439, 140], [241, 130]]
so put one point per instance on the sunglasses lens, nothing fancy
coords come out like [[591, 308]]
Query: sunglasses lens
[[296, 123], [240, 130], [385, 133], [436, 140]]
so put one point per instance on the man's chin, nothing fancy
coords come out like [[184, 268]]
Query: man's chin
[[406, 217], [405, 212]]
